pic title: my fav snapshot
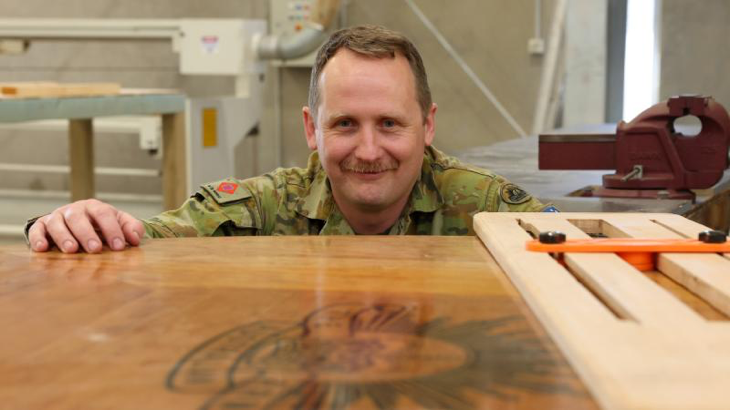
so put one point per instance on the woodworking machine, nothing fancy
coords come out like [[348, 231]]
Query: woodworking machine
[[650, 157], [237, 49]]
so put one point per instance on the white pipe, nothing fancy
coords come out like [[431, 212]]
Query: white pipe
[[113, 124], [64, 169], [64, 195], [311, 36], [289, 47], [469, 72], [87, 28], [549, 66], [538, 18]]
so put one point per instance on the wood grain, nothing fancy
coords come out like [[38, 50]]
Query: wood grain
[[52, 89], [288, 322], [634, 344], [174, 169], [81, 159]]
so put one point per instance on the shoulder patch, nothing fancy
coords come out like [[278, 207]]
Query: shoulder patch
[[512, 194], [226, 191]]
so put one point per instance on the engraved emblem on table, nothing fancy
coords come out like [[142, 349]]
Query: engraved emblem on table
[[343, 354]]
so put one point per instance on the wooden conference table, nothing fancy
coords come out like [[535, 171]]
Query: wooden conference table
[[285, 322], [81, 110]]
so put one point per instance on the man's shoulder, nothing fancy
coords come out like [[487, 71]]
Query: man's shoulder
[[452, 175], [276, 183], [442, 162], [462, 183], [295, 177]]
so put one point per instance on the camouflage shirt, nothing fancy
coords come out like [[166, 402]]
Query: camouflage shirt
[[298, 201]]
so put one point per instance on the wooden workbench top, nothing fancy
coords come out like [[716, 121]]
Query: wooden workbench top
[[127, 102], [290, 322]]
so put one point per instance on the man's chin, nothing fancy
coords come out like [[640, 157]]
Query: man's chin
[[371, 201]]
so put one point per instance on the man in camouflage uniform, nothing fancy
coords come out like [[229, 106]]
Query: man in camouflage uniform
[[370, 121], [298, 201]]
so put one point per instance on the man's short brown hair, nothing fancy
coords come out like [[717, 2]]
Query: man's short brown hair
[[372, 41]]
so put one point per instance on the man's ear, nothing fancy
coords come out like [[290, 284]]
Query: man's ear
[[309, 128], [430, 124]]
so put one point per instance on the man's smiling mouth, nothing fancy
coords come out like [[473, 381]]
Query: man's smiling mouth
[[368, 168], [367, 175]]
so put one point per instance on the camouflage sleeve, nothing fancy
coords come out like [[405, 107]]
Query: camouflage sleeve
[[504, 196], [222, 208]]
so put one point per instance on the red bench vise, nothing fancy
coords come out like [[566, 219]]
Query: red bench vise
[[651, 159]]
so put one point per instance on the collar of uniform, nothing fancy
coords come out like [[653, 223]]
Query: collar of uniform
[[425, 196], [317, 202]]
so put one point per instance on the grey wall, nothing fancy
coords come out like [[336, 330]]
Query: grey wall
[[695, 49], [491, 36]]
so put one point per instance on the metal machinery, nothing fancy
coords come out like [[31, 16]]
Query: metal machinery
[[236, 48], [660, 163], [651, 157]]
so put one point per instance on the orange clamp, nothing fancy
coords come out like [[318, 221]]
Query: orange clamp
[[641, 253]]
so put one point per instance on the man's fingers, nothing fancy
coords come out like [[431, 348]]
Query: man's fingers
[[59, 232], [84, 224], [105, 218], [37, 237], [78, 222], [132, 227]]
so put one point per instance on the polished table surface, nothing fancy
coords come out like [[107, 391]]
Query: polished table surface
[[280, 322]]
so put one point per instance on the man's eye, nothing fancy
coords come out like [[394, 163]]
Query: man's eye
[[344, 123], [388, 123]]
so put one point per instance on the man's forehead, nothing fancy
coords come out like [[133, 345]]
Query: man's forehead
[[395, 112], [348, 62], [353, 84]]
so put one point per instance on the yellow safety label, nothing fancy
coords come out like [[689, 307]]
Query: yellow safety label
[[210, 127]]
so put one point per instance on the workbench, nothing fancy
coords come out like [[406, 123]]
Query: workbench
[[80, 111], [286, 322]]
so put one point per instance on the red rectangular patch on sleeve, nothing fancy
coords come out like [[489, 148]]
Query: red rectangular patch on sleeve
[[227, 187]]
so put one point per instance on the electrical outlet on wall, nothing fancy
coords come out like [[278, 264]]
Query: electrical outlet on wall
[[536, 46]]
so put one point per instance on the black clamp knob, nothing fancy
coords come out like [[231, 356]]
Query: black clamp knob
[[712, 237], [552, 237]]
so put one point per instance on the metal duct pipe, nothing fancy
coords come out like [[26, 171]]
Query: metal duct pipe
[[303, 42]]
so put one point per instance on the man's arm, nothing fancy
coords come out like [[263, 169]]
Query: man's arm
[[505, 196], [206, 215]]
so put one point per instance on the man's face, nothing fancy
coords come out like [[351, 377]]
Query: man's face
[[369, 130]]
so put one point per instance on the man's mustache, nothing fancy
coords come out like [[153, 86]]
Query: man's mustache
[[355, 165]]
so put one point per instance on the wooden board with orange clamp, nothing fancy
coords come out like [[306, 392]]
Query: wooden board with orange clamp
[[634, 343]]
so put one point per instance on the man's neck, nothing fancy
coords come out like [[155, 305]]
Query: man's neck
[[372, 222]]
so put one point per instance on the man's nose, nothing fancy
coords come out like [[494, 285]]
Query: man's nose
[[368, 148]]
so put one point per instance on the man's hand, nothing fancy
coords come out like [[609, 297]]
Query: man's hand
[[74, 226]]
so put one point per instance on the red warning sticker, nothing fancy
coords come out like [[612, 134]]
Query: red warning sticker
[[227, 187]]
